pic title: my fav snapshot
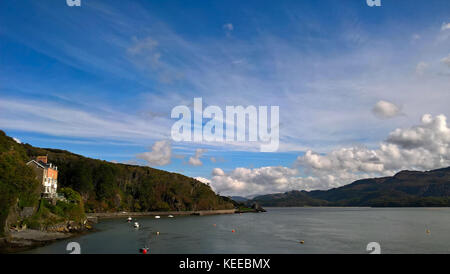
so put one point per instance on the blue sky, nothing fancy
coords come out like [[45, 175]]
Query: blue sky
[[101, 79]]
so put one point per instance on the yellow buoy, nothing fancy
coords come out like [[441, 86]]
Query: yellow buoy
[[157, 233], [428, 231], [302, 242]]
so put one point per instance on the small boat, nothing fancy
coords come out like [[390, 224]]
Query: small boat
[[129, 219], [136, 225], [157, 217], [170, 216]]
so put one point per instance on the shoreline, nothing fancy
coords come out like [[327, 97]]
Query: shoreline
[[19, 241], [109, 215]]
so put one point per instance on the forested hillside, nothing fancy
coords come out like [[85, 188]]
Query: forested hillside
[[102, 187], [18, 184], [106, 186]]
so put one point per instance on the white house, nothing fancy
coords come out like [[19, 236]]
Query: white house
[[47, 174]]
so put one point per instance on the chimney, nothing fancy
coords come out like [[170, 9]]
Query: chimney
[[42, 159]]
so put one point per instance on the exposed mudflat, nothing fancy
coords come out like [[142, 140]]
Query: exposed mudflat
[[37, 235]]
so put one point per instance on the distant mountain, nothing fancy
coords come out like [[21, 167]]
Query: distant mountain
[[405, 189], [239, 199]]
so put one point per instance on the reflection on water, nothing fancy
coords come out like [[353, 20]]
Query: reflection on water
[[280, 230]]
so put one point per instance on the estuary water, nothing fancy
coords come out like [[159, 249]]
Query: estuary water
[[280, 230]]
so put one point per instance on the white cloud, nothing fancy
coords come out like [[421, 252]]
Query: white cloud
[[160, 154], [445, 26], [218, 172], [17, 140], [432, 135], [421, 68], [195, 160], [250, 182], [446, 60], [422, 147], [384, 109]]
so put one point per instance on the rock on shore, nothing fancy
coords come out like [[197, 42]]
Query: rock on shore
[[25, 239]]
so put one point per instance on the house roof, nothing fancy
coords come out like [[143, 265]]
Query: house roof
[[42, 164], [37, 163]]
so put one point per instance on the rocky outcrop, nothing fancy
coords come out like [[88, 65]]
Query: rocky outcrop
[[29, 238], [21, 238], [257, 207]]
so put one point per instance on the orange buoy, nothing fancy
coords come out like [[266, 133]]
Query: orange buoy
[[214, 224], [232, 230]]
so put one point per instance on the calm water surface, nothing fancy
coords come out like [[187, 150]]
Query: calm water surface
[[323, 230]]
